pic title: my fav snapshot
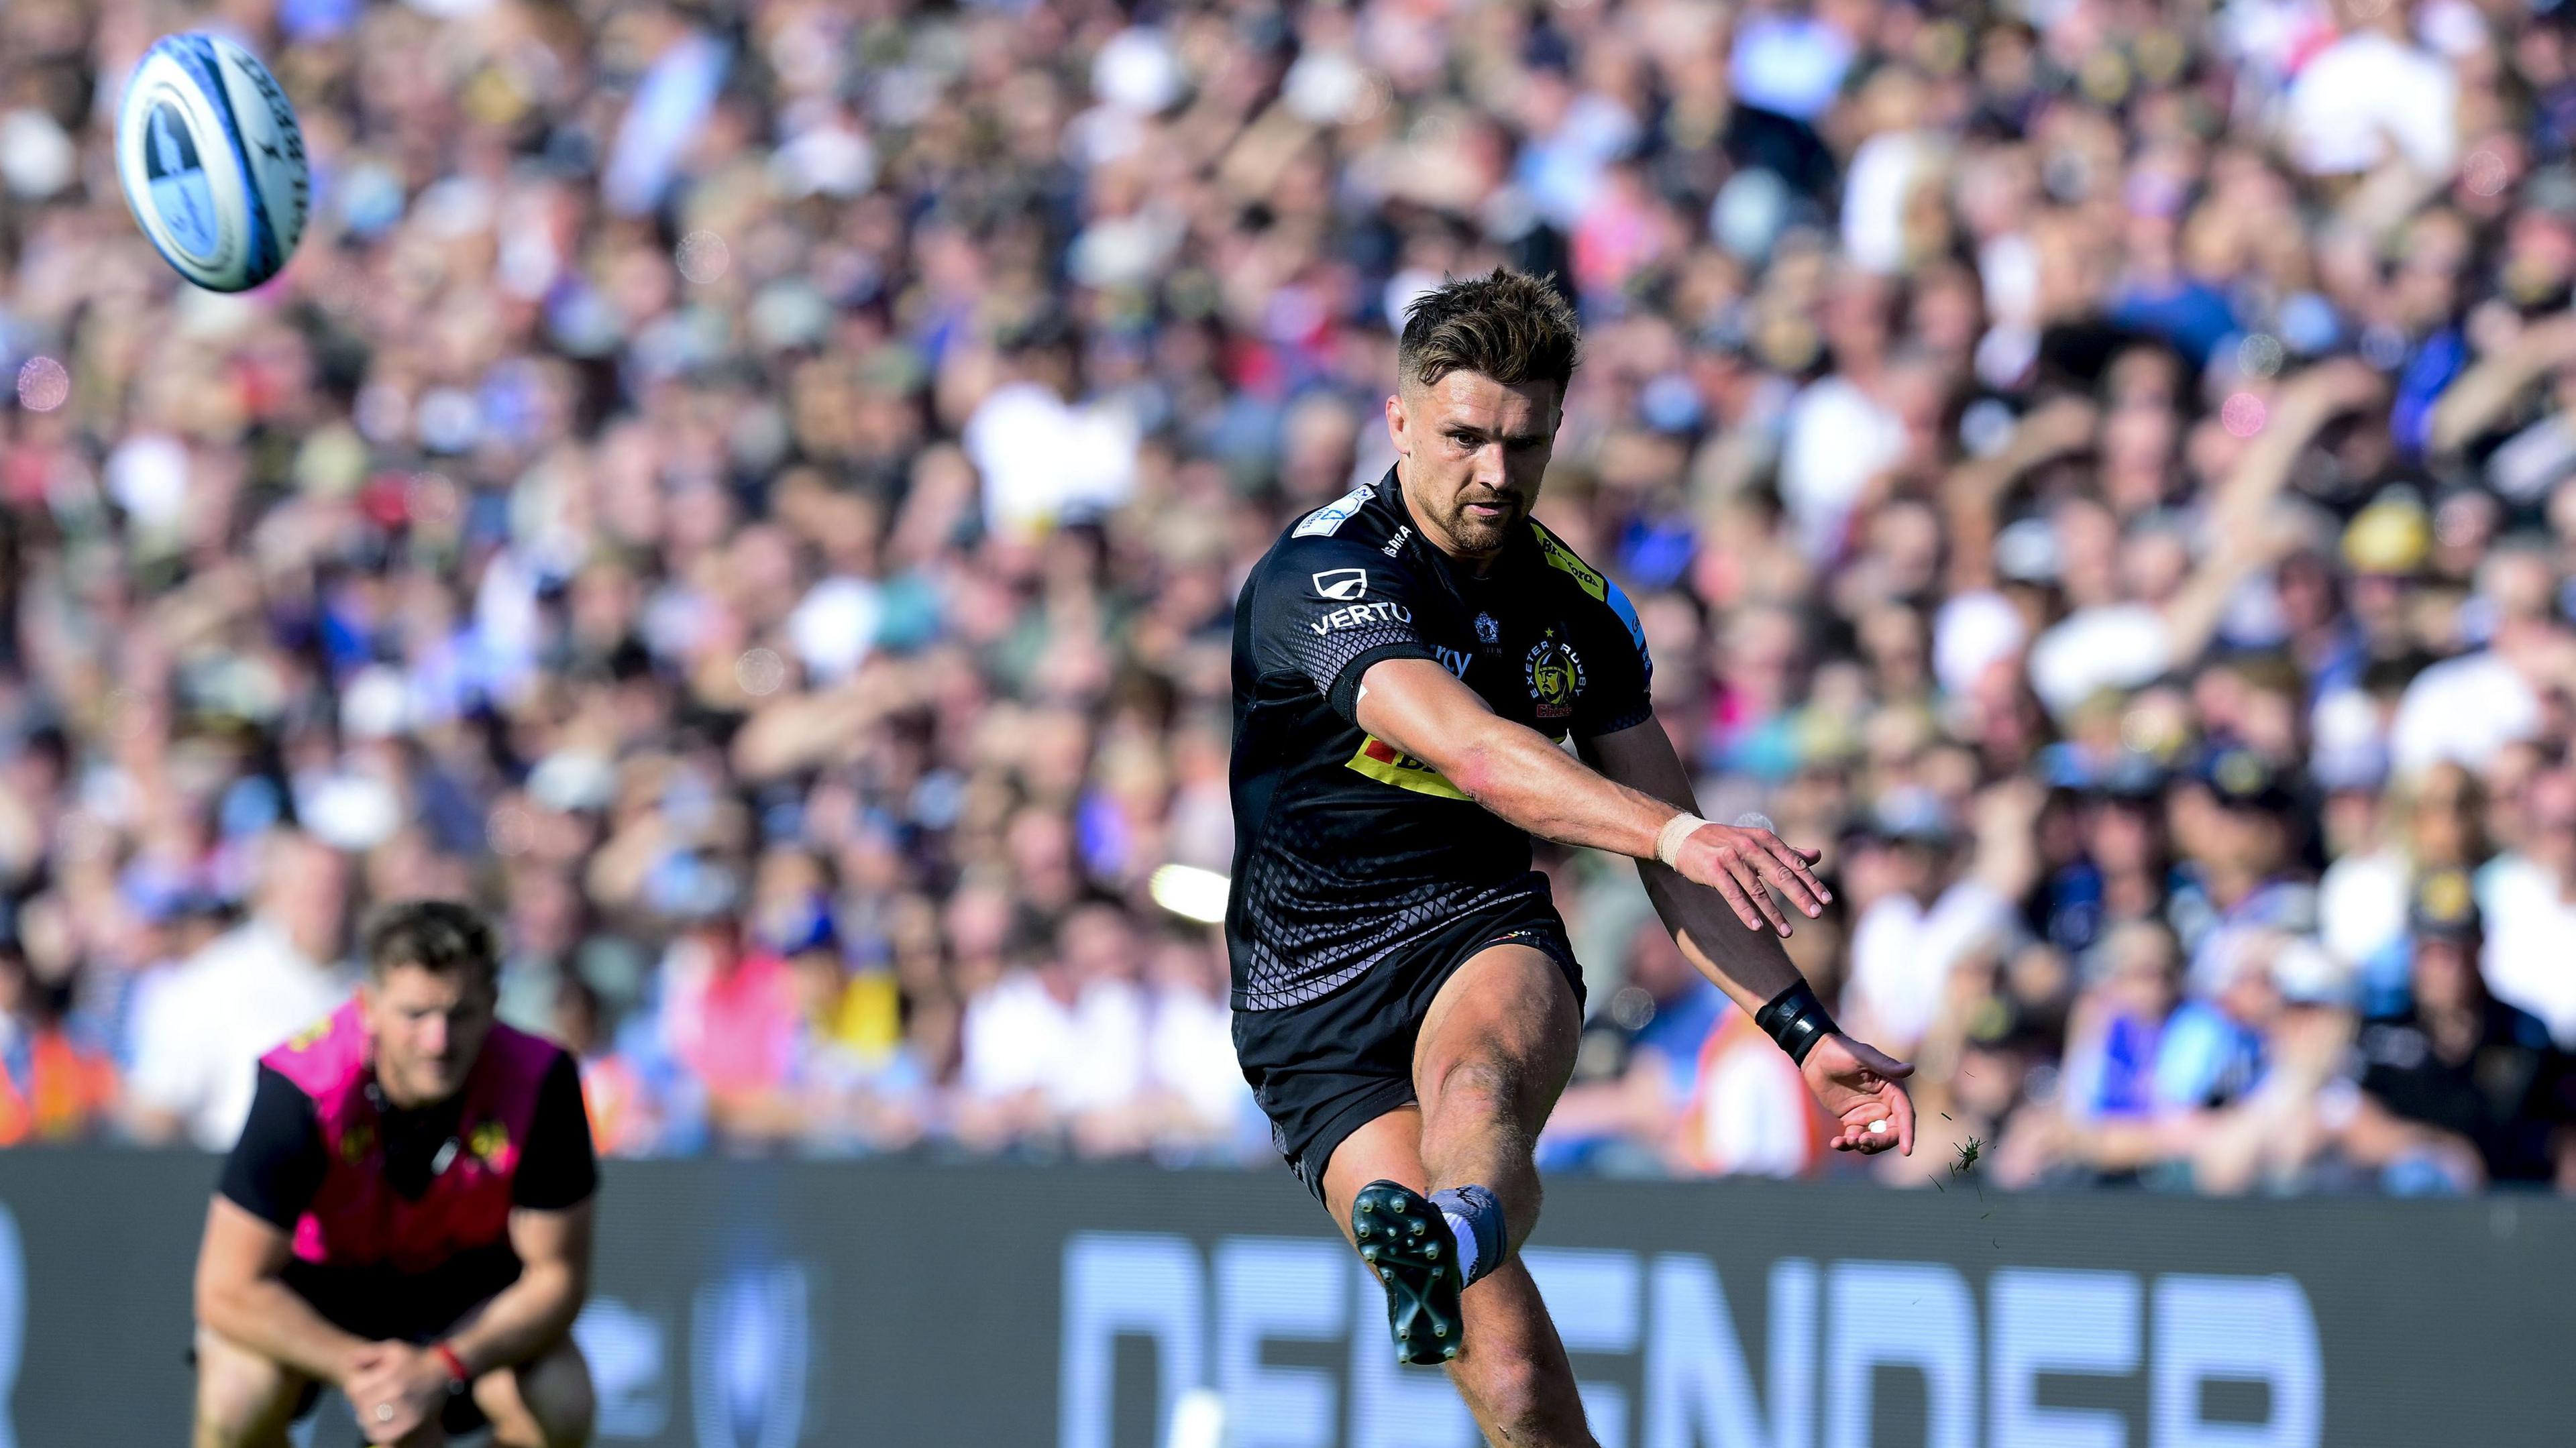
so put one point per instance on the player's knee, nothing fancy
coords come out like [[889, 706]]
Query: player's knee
[[559, 1398], [565, 1420], [1485, 1090], [1487, 1084], [242, 1397]]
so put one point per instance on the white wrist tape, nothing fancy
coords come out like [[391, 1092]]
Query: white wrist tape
[[1668, 845]]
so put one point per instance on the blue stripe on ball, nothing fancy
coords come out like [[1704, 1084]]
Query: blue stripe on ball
[[176, 181], [178, 263], [205, 67]]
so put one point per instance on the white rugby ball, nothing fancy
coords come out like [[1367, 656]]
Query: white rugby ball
[[212, 161]]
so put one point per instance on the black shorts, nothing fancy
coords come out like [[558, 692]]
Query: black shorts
[[1324, 1068]]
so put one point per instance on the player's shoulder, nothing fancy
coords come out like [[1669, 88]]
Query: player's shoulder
[[1590, 582], [325, 1054], [525, 1056], [1355, 530], [1361, 519], [1568, 566]]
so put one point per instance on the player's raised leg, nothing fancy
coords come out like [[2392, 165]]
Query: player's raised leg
[[1496, 1048], [1495, 1051], [244, 1400], [1513, 1375], [543, 1403]]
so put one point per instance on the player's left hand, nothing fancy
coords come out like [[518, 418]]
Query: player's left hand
[[399, 1376], [1860, 1084]]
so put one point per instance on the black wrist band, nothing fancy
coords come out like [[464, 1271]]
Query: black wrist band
[[1795, 1019]]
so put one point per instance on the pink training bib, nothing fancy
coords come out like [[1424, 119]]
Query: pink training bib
[[357, 1219]]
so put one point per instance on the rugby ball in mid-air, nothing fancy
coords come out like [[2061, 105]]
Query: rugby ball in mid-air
[[212, 161]]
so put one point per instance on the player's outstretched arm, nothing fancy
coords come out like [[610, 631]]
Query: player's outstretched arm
[[1519, 774], [1858, 1084]]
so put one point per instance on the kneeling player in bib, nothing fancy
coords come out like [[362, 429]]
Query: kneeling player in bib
[[406, 1217]]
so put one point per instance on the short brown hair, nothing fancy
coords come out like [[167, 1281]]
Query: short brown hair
[[1510, 326], [439, 936]]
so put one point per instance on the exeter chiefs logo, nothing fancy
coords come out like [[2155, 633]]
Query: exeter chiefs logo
[[1554, 675]]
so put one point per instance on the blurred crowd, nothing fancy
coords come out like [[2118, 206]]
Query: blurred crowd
[[752, 492]]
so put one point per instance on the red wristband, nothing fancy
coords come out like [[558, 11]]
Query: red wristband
[[455, 1364]]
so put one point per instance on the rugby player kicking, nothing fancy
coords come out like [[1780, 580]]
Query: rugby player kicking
[[407, 1215], [1407, 661]]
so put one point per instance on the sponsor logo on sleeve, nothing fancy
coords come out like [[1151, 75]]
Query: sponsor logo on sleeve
[[1342, 585], [1361, 615], [1562, 559], [1322, 522], [1387, 764]]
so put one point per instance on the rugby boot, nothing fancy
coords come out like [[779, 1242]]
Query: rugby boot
[[1404, 1241]]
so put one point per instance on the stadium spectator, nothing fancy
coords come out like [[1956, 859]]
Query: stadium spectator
[[2106, 1118], [53, 1086], [2291, 1016], [614, 1093], [2459, 1072], [2237, 825], [2524, 898], [854, 1084], [1195, 1102], [2391, 843], [731, 1018], [1641, 1063], [1935, 900], [1057, 1050], [200, 1028], [1744, 1114]]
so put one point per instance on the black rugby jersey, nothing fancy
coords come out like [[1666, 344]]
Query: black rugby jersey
[[1345, 848]]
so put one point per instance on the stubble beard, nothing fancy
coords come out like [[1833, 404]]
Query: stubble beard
[[1479, 535]]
